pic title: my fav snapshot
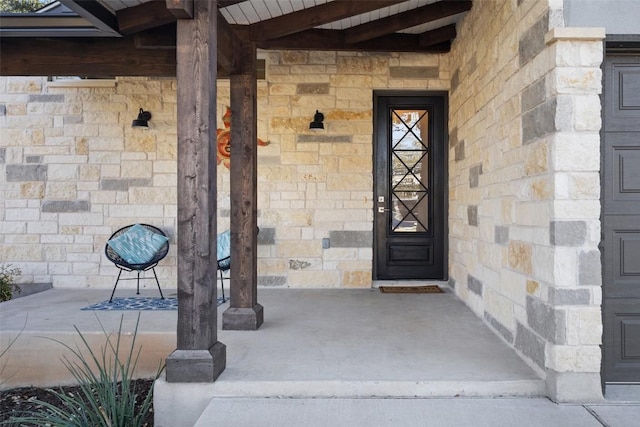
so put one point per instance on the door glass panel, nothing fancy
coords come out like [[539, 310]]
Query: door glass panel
[[409, 180]]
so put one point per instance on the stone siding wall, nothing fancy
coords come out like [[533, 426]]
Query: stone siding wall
[[315, 189], [524, 186], [72, 170]]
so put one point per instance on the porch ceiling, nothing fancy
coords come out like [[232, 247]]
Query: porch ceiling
[[146, 30]]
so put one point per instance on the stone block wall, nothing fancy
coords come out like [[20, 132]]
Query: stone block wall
[[524, 186], [72, 170], [315, 189]]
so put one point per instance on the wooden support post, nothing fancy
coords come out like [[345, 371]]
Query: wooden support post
[[199, 356], [244, 312]]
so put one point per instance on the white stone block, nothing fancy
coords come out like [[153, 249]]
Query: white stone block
[[590, 325], [542, 258], [576, 209], [339, 254], [59, 267], [12, 227], [40, 227], [135, 211], [56, 238], [81, 219], [587, 110], [576, 152], [565, 267], [22, 214], [87, 269], [577, 80]]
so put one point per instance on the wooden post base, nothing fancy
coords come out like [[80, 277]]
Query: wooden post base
[[243, 319], [196, 366]]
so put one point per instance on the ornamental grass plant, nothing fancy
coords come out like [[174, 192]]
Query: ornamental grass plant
[[106, 395], [8, 275]]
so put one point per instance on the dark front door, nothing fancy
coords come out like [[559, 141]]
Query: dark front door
[[409, 196], [621, 219]]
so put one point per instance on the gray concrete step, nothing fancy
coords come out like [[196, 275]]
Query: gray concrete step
[[378, 389]]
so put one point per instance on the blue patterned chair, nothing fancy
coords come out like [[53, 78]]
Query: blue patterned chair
[[137, 247]]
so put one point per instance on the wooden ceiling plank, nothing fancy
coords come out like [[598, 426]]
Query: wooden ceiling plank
[[408, 19], [305, 19], [181, 9], [439, 35], [144, 16]]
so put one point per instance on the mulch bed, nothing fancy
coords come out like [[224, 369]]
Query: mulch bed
[[20, 400]]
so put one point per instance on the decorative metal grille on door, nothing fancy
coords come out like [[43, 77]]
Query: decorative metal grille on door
[[409, 180]]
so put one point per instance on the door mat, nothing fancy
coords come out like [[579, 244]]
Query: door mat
[[139, 303], [429, 289]]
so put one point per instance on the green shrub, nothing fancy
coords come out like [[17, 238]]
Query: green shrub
[[107, 397], [8, 276]]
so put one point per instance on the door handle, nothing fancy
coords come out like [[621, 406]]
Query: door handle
[[381, 209]]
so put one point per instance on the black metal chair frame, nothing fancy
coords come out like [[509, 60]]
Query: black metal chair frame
[[138, 268], [222, 266]]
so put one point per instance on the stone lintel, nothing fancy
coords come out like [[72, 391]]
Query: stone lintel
[[243, 319], [575, 34], [197, 366]]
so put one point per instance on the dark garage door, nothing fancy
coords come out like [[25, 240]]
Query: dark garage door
[[621, 219]]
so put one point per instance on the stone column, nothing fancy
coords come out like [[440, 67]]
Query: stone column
[[570, 320]]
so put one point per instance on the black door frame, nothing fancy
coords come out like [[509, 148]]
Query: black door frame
[[377, 94]]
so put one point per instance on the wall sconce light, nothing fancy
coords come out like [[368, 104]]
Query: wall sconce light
[[317, 123], [142, 120]]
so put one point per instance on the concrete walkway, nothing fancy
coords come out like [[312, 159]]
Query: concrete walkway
[[453, 412]]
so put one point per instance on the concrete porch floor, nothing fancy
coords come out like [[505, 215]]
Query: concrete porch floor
[[324, 343], [313, 343], [319, 335]]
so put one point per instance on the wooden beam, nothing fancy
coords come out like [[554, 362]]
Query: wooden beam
[[334, 40], [200, 357], [429, 38], [182, 9], [95, 13], [244, 312], [70, 56], [227, 3], [305, 19], [144, 16], [408, 19], [228, 46], [157, 38]]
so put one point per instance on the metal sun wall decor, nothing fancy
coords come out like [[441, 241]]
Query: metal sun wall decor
[[224, 140]]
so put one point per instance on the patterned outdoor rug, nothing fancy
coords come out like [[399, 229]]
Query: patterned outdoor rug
[[429, 289], [139, 303]]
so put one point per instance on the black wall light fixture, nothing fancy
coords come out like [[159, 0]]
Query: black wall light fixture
[[143, 119], [317, 123]]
